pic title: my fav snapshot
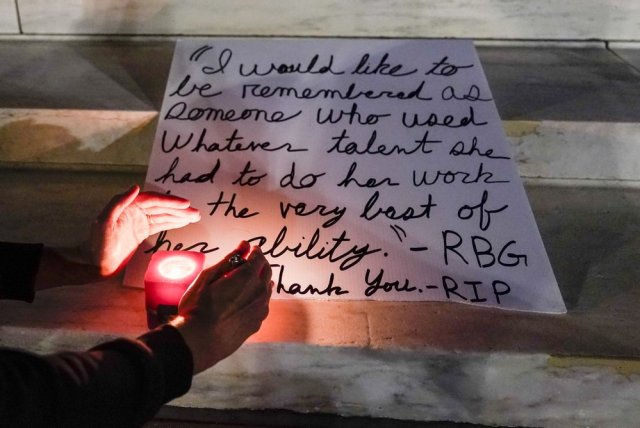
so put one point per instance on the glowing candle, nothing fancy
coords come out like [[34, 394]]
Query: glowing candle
[[168, 276]]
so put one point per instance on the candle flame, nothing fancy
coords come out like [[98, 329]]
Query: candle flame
[[176, 267]]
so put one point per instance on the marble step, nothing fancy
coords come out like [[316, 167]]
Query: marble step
[[117, 140], [571, 112], [530, 81]]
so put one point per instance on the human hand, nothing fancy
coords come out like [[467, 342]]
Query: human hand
[[130, 218], [224, 306]]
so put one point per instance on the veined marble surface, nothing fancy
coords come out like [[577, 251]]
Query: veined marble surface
[[530, 81], [490, 19], [116, 138], [488, 388], [630, 52], [576, 150], [505, 389], [99, 139], [8, 17]]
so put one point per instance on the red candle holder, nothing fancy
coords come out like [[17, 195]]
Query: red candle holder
[[168, 276]]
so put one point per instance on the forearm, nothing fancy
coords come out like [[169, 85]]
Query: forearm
[[18, 269], [65, 266], [27, 268], [120, 383]]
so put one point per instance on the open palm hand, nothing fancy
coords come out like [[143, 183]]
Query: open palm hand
[[130, 218]]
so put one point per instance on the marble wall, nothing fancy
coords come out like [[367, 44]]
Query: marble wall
[[479, 19], [8, 17]]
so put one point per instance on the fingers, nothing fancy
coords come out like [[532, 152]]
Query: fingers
[[225, 306], [255, 311], [169, 211], [172, 219], [260, 265], [148, 200], [255, 275], [118, 204], [167, 225], [223, 267], [232, 288], [238, 286], [166, 212]]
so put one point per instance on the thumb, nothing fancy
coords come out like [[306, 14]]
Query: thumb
[[118, 204], [223, 267], [212, 274]]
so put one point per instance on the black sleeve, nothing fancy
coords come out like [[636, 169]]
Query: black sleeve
[[121, 383], [18, 268]]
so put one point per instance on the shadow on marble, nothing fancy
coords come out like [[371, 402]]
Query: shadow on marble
[[94, 75], [46, 137], [562, 84], [180, 417], [143, 71], [592, 236], [528, 83]]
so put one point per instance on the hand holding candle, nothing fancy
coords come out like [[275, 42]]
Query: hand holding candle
[[225, 306], [168, 276]]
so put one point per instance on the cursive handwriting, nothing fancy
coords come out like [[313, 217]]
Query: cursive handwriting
[[372, 147], [258, 90], [369, 183], [162, 243], [445, 68], [447, 121], [231, 208], [371, 211], [381, 67], [303, 209], [296, 288], [339, 250], [301, 67], [187, 177], [379, 283], [182, 111], [233, 143], [484, 214], [461, 149], [451, 177], [353, 115]]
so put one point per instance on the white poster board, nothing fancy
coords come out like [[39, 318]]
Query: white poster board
[[365, 169]]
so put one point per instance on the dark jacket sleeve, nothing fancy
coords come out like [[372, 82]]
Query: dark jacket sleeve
[[18, 269], [121, 383]]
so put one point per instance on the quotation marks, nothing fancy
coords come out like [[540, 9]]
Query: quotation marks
[[398, 231], [195, 56], [401, 233]]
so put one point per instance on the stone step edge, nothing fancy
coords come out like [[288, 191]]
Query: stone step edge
[[32, 337], [542, 390], [121, 141]]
